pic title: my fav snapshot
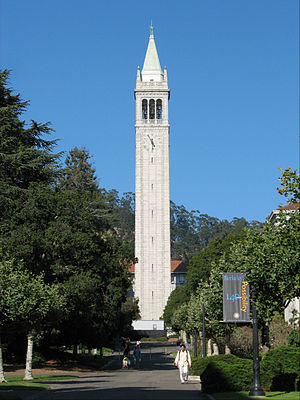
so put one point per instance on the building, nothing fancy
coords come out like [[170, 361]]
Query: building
[[152, 200], [156, 328], [287, 209], [178, 274]]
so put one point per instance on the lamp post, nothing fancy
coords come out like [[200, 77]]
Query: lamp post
[[195, 343], [256, 389], [203, 332]]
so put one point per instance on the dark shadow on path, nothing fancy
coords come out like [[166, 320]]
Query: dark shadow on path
[[124, 393]]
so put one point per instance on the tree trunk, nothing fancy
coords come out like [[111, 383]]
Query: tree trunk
[[215, 349], [75, 350], [265, 339], [227, 344], [209, 348], [2, 378], [28, 371]]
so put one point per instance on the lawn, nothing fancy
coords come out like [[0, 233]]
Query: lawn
[[244, 396], [18, 383]]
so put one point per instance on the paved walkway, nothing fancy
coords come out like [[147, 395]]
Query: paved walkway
[[157, 379]]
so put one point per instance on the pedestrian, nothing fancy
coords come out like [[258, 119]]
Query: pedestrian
[[137, 356], [183, 362], [126, 361]]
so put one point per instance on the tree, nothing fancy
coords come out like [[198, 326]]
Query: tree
[[25, 300], [176, 299], [290, 185], [201, 264], [88, 258], [27, 169]]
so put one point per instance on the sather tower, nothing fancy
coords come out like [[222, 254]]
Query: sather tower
[[152, 198]]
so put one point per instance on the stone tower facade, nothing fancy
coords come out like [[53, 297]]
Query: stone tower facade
[[152, 199]]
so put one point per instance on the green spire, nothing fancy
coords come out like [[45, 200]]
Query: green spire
[[151, 62]]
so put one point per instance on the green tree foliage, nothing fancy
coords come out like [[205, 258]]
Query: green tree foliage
[[290, 185], [193, 231], [123, 214], [176, 299], [25, 156], [26, 300], [88, 258], [201, 264], [27, 169], [58, 221]]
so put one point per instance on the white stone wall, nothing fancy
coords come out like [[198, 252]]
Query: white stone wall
[[152, 204]]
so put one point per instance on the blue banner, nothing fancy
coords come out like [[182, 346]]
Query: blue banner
[[236, 297]]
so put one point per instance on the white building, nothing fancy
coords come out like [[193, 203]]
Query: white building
[[152, 200]]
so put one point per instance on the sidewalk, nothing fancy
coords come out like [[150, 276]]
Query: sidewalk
[[157, 379]]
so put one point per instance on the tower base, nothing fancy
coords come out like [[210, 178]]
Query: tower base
[[150, 328]]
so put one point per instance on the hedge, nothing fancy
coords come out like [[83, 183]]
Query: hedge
[[280, 368], [224, 372]]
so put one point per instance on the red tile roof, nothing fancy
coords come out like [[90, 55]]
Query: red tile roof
[[177, 266], [292, 206]]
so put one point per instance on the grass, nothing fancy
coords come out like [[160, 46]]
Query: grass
[[244, 396], [18, 383]]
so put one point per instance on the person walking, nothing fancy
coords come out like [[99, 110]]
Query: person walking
[[126, 352], [137, 356], [183, 362]]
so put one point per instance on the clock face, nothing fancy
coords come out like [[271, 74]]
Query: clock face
[[151, 142]]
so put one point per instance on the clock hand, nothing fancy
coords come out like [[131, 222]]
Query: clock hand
[[152, 142]]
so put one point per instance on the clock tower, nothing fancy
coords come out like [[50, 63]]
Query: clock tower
[[152, 199]]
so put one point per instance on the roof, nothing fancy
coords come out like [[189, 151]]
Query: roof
[[177, 266], [292, 206], [151, 62]]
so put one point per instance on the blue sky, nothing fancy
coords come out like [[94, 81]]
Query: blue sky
[[233, 69]]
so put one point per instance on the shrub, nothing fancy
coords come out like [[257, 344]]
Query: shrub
[[280, 368], [294, 338], [224, 372], [241, 342], [37, 359]]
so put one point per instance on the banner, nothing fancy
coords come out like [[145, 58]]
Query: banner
[[236, 298]]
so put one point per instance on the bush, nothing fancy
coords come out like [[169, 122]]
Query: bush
[[280, 368], [37, 359], [294, 338], [241, 342], [224, 372]]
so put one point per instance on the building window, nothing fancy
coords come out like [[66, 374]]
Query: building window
[[152, 239], [144, 109], [152, 109], [152, 267], [158, 109], [151, 160], [151, 186]]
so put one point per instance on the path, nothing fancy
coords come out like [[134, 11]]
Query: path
[[156, 380]]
